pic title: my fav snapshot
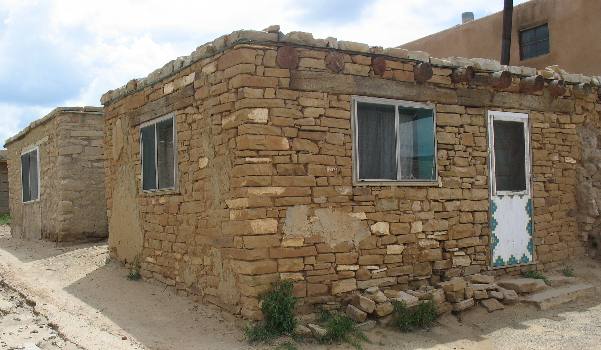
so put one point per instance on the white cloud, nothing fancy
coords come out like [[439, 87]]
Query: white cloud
[[102, 44]]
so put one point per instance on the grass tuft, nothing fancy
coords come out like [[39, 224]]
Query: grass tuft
[[286, 346], [568, 271], [134, 270], [4, 219], [340, 327], [421, 316], [277, 306], [536, 275]]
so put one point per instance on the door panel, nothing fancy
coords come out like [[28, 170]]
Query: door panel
[[510, 192]]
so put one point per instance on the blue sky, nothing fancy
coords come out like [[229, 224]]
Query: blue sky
[[69, 52]]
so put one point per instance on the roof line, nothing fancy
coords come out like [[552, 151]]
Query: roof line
[[48, 117]]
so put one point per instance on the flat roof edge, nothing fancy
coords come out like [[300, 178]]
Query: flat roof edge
[[48, 117]]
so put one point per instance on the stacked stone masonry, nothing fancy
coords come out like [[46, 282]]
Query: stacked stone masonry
[[3, 183], [265, 188], [71, 205]]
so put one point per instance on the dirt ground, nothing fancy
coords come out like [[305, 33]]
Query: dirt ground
[[84, 301]]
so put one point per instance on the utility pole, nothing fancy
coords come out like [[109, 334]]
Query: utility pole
[[506, 36]]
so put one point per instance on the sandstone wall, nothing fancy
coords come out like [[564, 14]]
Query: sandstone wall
[[71, 205], [80, 168], [3, 187], [265, 184]]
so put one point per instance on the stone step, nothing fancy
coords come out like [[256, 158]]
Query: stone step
[[560, 280], [523, 285], [553, 297]]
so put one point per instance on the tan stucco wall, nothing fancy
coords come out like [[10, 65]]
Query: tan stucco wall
[[71, 205], [574, 29], [3, 187], [265, 190], [34, 220]]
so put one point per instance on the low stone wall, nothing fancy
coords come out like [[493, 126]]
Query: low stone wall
[[71, 205], [265, 189]]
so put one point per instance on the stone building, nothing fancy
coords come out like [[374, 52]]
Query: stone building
[[3, 183], [545, 33], [56, 177], [264, 156]]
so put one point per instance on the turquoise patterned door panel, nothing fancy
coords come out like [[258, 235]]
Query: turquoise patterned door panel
[[510, 191]]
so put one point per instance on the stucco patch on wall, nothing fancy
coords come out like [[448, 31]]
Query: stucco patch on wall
[[333, 226]]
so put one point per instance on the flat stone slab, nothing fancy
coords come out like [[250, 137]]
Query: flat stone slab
[[523, 285], [492, 305], [550, 298]]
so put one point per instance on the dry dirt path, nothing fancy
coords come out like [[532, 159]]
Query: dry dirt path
[[90, 304]]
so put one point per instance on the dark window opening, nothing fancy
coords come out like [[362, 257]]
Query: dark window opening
[[510, 156], [30, 176], [534, 42], [158, 155]]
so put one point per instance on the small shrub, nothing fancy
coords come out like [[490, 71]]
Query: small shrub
[[422, 316], [340, 328], [568, 271], [134, 270], [4, 219], [277, 307], [536, 275]]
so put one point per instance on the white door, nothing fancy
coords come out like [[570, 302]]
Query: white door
[[510, 191]]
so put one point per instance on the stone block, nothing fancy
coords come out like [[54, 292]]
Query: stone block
[[463, 305], [343, 286], [355, 313], [384, 309], [363, 303]]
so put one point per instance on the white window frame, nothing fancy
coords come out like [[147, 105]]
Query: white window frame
[[24, 152], [175, 161], [355, 137], [509, 117]]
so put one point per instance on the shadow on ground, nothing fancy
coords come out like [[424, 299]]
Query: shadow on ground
[[158, 318]]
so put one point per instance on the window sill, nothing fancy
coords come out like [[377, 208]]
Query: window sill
[[31, 202], [165, 192], [433, 183]]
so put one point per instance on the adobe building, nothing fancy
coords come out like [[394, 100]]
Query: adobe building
[[56, 177], [545, 33], [340, 166], [3, 183]]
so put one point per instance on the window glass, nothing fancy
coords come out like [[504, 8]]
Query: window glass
[[395, 142], [165, 155], [29, 176], [534, 42], [376, 141], [158, 155], [510, 153], [149, 181], [416, 138]]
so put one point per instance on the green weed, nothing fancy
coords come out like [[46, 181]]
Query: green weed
[[421, 316], [134, 270], [340, 328], [277, 307], [536, 275], [568, 271], [4, 219]]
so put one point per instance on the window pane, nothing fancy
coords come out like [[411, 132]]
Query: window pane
[[416, 139], [33, 174], [376, 142], [534, 41], [148, 158], [25, 177], [165, 154], [510, 170]]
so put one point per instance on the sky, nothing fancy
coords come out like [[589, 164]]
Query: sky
[[70, 52]]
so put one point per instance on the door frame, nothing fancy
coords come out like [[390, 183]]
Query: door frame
[[523, 117]]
